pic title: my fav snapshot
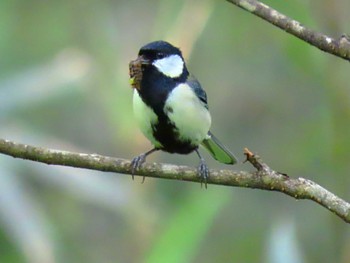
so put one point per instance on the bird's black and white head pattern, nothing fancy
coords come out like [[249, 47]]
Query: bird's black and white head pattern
[[165, 58]]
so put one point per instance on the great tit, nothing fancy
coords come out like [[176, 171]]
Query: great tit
[[171, 107]]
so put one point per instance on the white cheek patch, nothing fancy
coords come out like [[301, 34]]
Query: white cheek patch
[[171, 66]]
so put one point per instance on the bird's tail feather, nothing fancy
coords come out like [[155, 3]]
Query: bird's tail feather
[[218, 150]]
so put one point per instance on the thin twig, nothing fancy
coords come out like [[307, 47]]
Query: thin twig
[[264, 178], [339, 47]]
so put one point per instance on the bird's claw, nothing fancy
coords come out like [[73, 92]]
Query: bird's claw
[[136, 164], [203, 173]]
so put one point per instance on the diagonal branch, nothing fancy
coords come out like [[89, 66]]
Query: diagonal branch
[[264, 178], [339, 47]]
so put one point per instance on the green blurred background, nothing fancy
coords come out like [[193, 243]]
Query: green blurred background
[[64, 85]]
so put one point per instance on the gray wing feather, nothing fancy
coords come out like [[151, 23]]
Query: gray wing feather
[[211, 143], [197, 88]]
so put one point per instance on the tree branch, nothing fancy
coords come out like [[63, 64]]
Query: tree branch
[[338, 47], [264, 178]]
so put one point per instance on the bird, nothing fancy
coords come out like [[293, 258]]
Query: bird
[[171, 107]]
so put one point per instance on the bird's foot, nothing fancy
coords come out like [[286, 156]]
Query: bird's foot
[[139, 160], [136, 164], [203, 172]]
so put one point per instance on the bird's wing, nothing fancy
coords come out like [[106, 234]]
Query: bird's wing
[[218, 150], [196, 87], [211, 143]]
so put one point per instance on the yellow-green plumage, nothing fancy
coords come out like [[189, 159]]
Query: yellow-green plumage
[[218, 150]]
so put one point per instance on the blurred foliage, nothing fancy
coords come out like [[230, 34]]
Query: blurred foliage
[[64, 84]]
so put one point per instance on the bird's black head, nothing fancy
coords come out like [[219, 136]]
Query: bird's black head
[[164, 58], [158, 50]]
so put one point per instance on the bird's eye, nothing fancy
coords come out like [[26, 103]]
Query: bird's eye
[[160, 55]]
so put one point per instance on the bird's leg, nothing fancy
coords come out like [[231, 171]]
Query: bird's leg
[[139, 160], [203, 170]]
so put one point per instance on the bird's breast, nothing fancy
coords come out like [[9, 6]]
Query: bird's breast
[[145, 117], [188, 114]]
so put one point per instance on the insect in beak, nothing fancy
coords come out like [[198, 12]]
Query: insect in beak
[[135, 71]]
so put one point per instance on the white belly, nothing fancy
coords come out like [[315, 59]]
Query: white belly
[[188, 114]]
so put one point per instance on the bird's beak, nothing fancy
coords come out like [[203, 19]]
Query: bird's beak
[[135, 71], [144, 61], [140, 61]]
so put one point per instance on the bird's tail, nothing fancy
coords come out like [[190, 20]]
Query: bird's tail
[[218, 150]]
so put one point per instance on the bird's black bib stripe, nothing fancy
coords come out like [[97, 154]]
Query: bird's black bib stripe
[[155, 89]]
